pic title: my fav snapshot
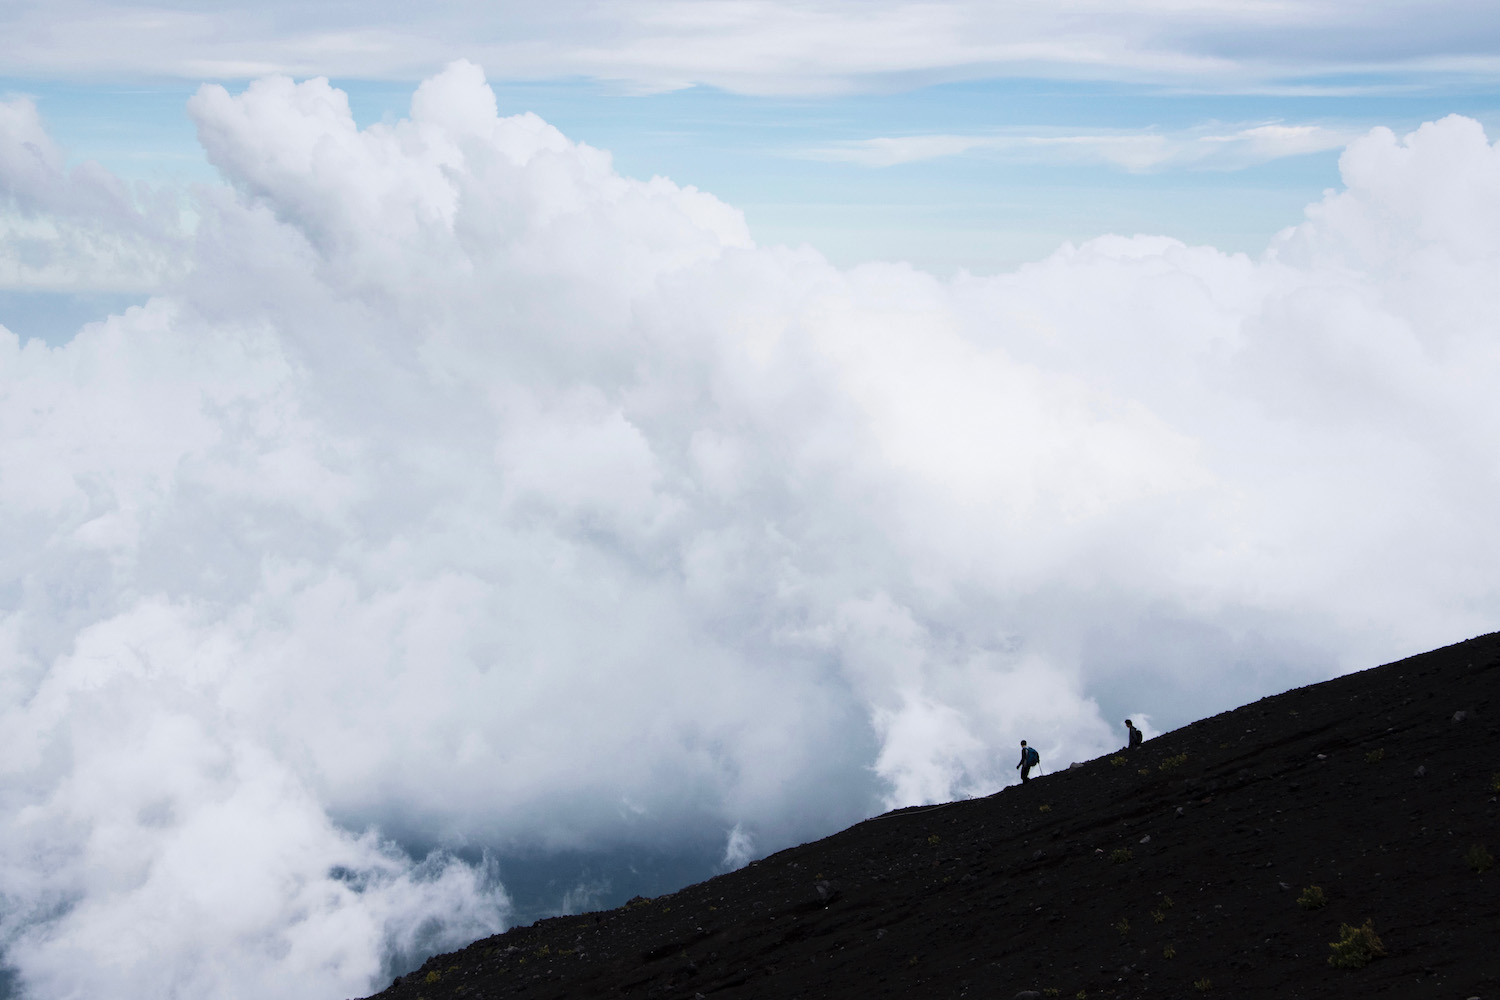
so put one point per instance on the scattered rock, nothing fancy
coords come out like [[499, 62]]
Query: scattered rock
[[1146, 839], [1179, 810], [1420, 772], [1460, 716]]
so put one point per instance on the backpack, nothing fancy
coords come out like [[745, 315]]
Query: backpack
[[1032, 757]]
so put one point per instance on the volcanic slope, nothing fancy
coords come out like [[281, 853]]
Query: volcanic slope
[[1171, 871]]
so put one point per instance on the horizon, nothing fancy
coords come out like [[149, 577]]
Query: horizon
[[576, 453]]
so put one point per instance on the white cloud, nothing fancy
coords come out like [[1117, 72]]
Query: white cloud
[[79, 229], [739, 849], [464, 492], [767, 46], [1206, 147]]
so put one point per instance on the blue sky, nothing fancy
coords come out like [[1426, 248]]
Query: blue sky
[[983, 209], [780, 137]]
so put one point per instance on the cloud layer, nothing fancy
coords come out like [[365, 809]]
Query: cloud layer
[[769, 46], [454, 490]]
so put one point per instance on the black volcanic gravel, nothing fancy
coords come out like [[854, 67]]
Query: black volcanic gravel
[[1173, 871]]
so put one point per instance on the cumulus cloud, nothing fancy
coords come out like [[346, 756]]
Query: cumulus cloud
[[464, 493], [770, 46], [79, 229]]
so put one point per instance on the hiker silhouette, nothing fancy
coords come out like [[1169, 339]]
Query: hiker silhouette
[[1135, 735], [1029, 759]]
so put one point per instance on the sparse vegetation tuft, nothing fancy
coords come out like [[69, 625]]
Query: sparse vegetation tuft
[[1478, 858], [1312, 898], [1051, 991], [933, 840], [1375, 756], [1120, 855], [1356, 947], [1173, 762], [1203, 985], [1169, 952], [1044, 808], [433, 976], [1495, 782], [1123, 926], [1118, 760], [1158, 916]]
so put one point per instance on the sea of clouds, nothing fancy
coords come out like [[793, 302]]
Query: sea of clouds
[[453, 493]]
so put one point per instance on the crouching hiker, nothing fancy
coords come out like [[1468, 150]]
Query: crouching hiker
[[1029, 759], [1135, 735]]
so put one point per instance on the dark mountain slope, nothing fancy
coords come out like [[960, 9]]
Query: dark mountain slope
[[1171, 871]]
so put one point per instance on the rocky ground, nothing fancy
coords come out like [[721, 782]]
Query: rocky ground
[[1181, 869]]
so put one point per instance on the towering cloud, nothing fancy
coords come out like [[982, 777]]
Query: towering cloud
[[453, 492]]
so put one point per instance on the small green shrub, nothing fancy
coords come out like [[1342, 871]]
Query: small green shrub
[[1166, 902], [1158, 916], [1203, 985], [1123, 926], [1118, 761], [1044, 808], [1120, 855], [1173, 762], [1495, 782], [1478, 858], [433, 976], [1312, 898], [1051, 991], [1375, 756], [1169, 952], [1356, 947], [933, 840]]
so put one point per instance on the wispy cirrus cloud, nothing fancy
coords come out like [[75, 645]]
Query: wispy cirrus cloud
[[763, 46], [1208, 147]]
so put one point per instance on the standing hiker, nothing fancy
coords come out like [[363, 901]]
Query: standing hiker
[[1029, 759], [1135, 735]]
